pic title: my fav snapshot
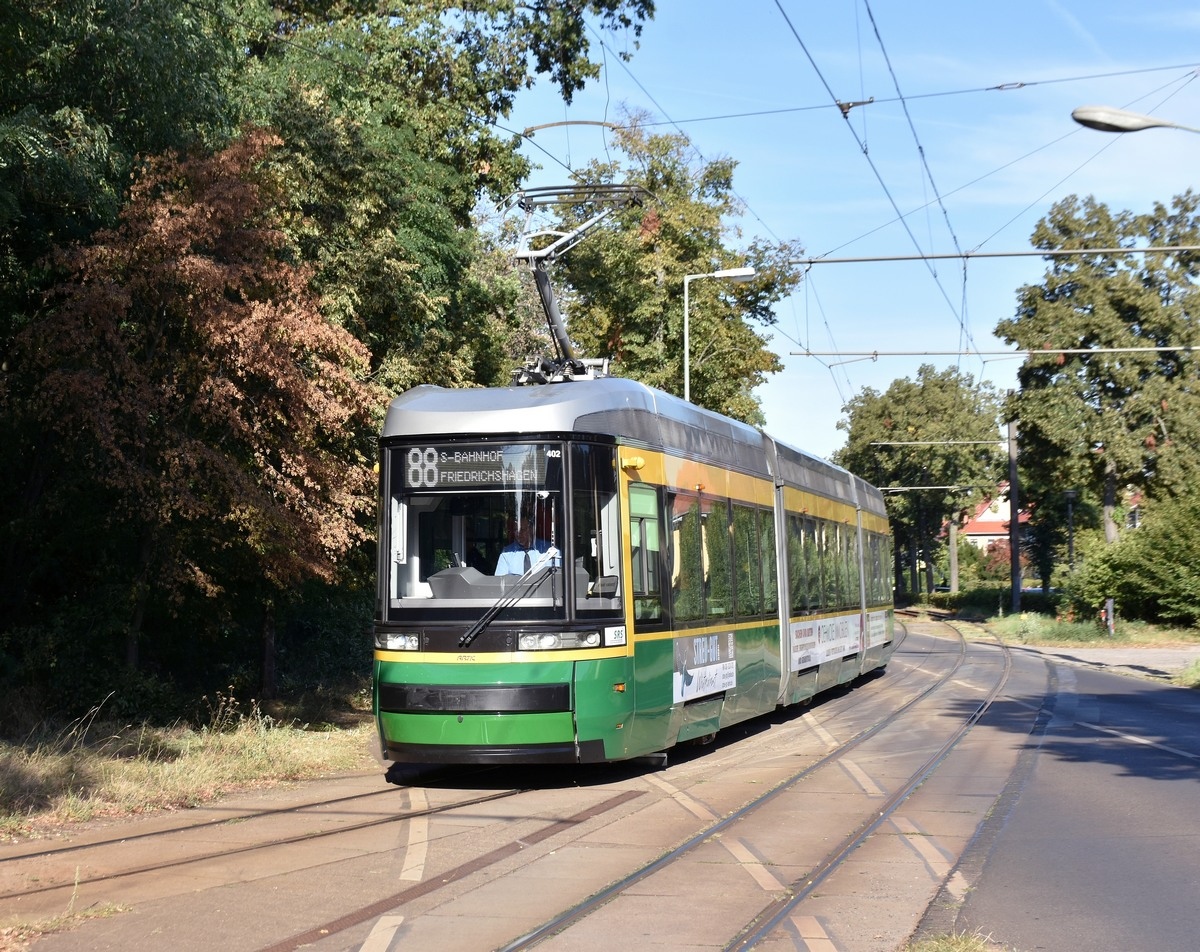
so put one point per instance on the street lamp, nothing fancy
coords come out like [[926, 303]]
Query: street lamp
[[740, 275], [1110, 119]]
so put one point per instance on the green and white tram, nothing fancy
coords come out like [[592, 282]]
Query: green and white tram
[[669, 572]]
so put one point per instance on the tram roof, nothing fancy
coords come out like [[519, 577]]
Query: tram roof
[[610, 405], [626, 410]]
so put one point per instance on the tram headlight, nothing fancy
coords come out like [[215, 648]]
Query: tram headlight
[[556, 640], [397, 641]]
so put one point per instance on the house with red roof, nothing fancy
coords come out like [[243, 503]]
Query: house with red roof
[[988, 522]]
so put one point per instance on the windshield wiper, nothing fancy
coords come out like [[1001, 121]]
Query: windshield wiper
[[530, 578]]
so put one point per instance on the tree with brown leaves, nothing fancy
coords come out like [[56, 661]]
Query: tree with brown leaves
[[184, 370]]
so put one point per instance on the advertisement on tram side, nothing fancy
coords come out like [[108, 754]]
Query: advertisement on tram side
[[822, 639], [704, 665]]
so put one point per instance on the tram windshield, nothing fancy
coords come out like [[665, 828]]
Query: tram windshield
[[532, 526]]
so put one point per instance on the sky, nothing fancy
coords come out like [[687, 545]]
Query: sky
[[963, 142]]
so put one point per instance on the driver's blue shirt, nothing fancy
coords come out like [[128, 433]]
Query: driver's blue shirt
[[515, 559]]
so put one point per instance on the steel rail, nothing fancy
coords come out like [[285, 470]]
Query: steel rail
[[581, 910]]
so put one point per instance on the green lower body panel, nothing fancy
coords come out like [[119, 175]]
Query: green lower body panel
[[483, 738], [550, 712]]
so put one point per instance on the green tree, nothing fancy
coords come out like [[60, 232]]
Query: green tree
[[506, 300], [622, 288], [971, 561], [939, 430], [480, 52], [1054, 528], [84, 89], [1109, 422], [389, 119]]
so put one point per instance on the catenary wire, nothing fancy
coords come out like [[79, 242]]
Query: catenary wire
[[882, 100], [870, 162], [965, 336]]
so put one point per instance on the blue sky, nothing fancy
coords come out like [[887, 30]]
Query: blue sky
[[988, 90]]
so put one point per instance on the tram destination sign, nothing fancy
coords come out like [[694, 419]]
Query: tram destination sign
[[489, 466]]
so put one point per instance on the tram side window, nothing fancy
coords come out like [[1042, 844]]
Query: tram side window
[[747, 557], [853, 587], [687, 557], [595, 522], [769, 561], [886, 583], [797, 571], [645, 535], [804, 564], [889, 565], [871, 567], [878, 569], [815, 563], [717, 543], [834, 568]]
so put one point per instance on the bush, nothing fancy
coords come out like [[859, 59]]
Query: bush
[[982, 599], [72, 661], [1152, 572], [1043, 603]]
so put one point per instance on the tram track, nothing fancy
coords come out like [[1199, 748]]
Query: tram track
[[431, 777], [712, 831], [450, 878], [239, 817], [77, 853], [797, 891], [775, 914]]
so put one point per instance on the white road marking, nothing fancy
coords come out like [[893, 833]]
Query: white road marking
[[738, 850], [418, 839], [758, 872], [923, 845], [869, 786], [814, 937], [697, 809], [381, 936], [825, 737]]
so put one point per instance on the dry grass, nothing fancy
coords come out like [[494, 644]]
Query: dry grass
[[92, 769], [18, 938], [956, 943], [1189, 677]]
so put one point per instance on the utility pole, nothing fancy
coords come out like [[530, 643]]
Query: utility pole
[[1014, 517]]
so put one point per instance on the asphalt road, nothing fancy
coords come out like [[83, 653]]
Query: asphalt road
[[1096, 843]]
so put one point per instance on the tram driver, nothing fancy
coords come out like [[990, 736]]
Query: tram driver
[[523, 550]]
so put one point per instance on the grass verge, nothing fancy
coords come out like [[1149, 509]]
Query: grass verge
[[955, 943], [18, 938], [1034, 628], [92, 769]]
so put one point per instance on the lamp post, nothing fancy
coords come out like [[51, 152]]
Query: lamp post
[[741, 275], [1071, 495], [1110, 119]]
